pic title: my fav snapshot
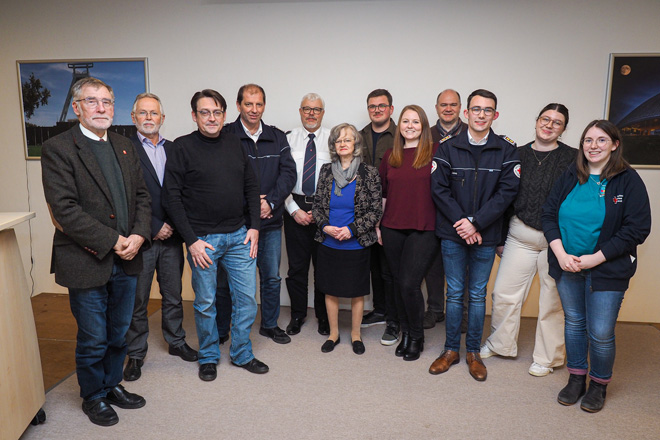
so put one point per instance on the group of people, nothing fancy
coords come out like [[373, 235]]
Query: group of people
[[376, 210]]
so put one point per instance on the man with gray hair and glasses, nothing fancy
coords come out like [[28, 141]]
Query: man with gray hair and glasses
[[99, 205], [165, 257], [309, 148]]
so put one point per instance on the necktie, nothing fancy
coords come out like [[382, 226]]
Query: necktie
[[309, 168]]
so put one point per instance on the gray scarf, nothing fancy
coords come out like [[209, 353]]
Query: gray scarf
[[344, 176]]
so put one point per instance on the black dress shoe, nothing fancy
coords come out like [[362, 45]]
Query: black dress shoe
[[329, 345], [184, 352], [133, 369], [416, 346], [324, 327], [208, 372], [276, 334], [294, 326], [358, 347], [223, 339], [403, 345], [99, 412], [254, 366], [118, 396]]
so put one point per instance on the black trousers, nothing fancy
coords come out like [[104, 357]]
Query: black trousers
[[410, 254], [301, 249], [382, 284]]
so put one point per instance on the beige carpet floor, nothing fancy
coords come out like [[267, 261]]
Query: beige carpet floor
[[311, 395]]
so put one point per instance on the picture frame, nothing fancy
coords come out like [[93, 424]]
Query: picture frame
[[633, 105], [44, 87]]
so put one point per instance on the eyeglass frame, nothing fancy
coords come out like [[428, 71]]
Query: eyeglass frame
[[205, 114], [93, 102], [374, 107], [316, 110], [488, 111], [544, 121], [600, 141]]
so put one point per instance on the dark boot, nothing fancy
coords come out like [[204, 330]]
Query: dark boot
[[414, 349], [403, 345], [594, 400], [569, 395]]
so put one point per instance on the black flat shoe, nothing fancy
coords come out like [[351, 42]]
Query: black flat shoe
[[99, 412], [208, 372], [133, 369], [276, 334], [329, 345], [294, 326], [324, 327], [254, 366], [184, 352], [118, 396], [358, 347]]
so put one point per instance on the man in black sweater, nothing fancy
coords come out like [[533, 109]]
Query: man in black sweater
[[208, 183]]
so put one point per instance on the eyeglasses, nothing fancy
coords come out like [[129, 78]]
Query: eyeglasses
[[556, 123], [207, 114], [452, 105], [488, 111], [308, 110], [373, 107], [94, 102], [143, 114], [344, 141], [601, 141]]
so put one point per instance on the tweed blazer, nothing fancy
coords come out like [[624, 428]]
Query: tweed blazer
[[82, 210], [368, 203]]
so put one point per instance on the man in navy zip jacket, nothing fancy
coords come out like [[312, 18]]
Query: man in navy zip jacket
[[270, 156], [475, 177]]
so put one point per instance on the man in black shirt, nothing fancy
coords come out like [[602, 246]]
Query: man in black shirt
[[208, 179]]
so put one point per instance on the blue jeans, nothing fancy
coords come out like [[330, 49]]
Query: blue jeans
[[471, 266], [234, 257], [590, 317], [103, 315], [268, 262]]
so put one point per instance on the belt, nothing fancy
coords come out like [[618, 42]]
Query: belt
[[308, 200]]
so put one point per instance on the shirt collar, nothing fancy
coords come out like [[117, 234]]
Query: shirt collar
[[481, 142], [145, 140], [93, 136], [256, 134]]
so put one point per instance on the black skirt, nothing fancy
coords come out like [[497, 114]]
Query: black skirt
[[343, 273]]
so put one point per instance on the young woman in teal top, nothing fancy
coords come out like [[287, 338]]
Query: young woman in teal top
[[596, 215]]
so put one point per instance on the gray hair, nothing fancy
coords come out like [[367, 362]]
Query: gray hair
[[312, 97], [334, 135], [76, 89], [147, 95]]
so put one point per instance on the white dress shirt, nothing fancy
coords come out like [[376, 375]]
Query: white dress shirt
[[298, 138]]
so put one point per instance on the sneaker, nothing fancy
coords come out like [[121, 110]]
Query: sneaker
[[391, 335], [539, 370], [486, 352], [372, 318]]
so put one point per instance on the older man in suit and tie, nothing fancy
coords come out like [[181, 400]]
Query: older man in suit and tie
[[100, 207], [165, 257]]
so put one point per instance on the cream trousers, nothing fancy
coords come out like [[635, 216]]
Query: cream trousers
[[526, 253]]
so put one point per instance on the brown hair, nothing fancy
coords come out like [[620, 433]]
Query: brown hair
[[614, 165], [424, 150]]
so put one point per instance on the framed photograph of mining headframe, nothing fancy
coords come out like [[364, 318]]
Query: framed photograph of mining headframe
[[633, 104], [45, 90]]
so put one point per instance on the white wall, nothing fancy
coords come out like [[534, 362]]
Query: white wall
[[528, 52]]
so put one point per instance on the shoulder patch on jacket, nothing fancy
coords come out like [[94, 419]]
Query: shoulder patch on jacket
[[434, 166], [444, 139], [508, 139]]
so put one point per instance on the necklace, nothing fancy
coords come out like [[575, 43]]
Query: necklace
[[536, 157], [597, 182]]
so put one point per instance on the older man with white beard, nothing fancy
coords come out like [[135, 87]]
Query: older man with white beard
[[165, 257], [309, 148]]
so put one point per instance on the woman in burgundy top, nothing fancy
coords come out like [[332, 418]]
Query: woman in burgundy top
[[407, 230]]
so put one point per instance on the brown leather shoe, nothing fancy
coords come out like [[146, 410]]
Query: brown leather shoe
[[476, 366], [446, 359]]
